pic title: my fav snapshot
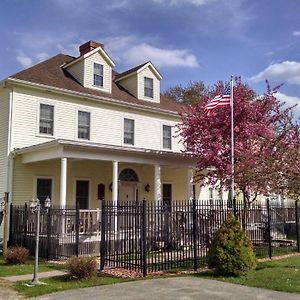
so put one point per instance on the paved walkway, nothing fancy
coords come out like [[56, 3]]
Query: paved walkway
[[7, 292], [180, 288], [29, 276]]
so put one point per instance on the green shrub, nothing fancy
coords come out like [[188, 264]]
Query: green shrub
[[81, 267], [16, 255], [231, 251]]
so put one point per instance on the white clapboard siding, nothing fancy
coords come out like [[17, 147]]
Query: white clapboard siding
[[106, 121], [130, 84], [147, 72], [4, 120], [89, 72], [77, 71]]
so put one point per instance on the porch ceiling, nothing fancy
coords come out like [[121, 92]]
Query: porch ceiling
[[96, 151]]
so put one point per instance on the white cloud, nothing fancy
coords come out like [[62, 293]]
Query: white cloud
[[290, 101], [42, 56], [131, 51], [24, 60], [286, 71], [296, 33], [183, 2], [160, 57]]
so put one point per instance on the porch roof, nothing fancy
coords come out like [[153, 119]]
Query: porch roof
[[59, 148]]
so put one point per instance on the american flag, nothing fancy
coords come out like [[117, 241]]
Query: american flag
[[220, 100]]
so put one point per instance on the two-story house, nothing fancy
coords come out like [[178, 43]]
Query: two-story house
[[73, 129]]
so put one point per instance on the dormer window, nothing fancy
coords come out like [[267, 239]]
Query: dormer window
[[148, 87], [98, 75]]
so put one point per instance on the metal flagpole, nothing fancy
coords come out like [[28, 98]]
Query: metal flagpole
[[232, 147]]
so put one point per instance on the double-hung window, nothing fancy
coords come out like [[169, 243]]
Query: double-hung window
[[98, 75], [167, 137], [46, 119], [129, 131], [84, 124], [148, 87]]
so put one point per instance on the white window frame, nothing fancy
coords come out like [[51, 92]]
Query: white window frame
[[77, 123], [93, 83], [90, 190], [35, 179], [134, 131], [162, 136], [148, 97], [46, 102]]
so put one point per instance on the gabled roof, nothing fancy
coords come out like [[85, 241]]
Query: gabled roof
[[98, 49], [138, 69], [51, 74]]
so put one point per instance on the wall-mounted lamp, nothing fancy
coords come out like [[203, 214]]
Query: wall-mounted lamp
[[110, 187], [147, 188]]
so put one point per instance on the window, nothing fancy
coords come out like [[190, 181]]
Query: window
[[43, 189], [98, 75], [128, 175], [148, 83], [167, 137], [46, 119], [129, 131], [84, 121]]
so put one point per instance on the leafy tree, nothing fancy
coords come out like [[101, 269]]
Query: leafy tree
[[266, 142], [231, 251], [191, 94]]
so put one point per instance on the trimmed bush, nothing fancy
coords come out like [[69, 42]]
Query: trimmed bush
[[231, 251], [16, 255], [81, 267]]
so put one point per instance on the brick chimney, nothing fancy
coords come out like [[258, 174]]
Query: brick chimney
[[89, 46]]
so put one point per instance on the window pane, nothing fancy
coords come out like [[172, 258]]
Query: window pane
[[129, 131], [167, 137], [98, 74], [83, 125], [148, 89], [46, 119]]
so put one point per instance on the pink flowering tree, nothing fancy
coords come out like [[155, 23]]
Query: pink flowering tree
[[266, 142]]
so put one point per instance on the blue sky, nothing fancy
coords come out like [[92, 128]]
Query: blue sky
[[186, 39]]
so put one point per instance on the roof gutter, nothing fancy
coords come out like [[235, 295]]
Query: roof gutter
[[91, 97]]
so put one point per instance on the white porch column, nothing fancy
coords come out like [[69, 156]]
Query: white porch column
[[115, 183], [189, 185], [157, 183], [63, 181]]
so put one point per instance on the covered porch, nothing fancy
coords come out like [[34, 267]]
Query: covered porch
[[86, 173]]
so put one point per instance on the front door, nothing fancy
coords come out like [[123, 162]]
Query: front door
[[82, 193], [128, 191]]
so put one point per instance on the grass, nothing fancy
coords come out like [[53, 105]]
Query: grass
[[279, 275], [62, 283], [11, 270]]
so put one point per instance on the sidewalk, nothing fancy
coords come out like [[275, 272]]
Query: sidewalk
[[181, 288], [29, 276]]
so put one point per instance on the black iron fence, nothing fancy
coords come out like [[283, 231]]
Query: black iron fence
[[148, 237]]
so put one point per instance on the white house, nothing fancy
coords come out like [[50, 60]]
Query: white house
[[74, 129]]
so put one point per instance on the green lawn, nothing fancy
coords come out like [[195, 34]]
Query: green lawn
[[61, 283], [11, 270], [279, 275]]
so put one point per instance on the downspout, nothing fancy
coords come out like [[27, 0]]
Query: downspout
[[10, 168]]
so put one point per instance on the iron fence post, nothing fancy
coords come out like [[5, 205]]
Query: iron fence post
[[103, 242], [77, 225], [269, 229], [143, 236], [234, 207], [195, 234], [48, 233], [297, 225], [25, 221], [10, 238]]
